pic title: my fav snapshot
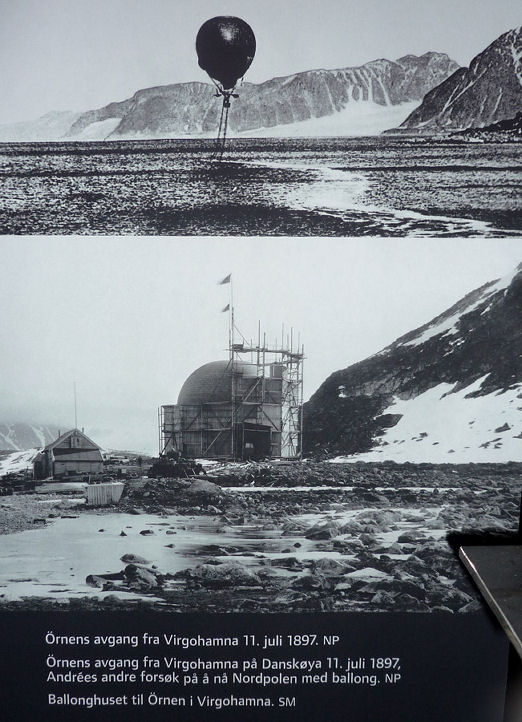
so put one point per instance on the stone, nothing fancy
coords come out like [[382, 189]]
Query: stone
[[311, 582], [330, 567], [133, 559], [225, 574], [326, 530], [93, 580], [140, 577]]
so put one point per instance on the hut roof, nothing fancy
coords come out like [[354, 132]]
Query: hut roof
[[73, 432]]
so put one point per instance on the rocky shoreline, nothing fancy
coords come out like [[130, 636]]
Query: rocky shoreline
[[20, 512], [300, 537]]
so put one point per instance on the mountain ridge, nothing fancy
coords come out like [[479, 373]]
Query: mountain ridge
[[428, 94], [188, 109], [488, 91]]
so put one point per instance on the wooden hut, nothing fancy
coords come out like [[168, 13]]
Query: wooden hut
[[70, 454]]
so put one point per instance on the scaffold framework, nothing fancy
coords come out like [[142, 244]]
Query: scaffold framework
[[254, 408]]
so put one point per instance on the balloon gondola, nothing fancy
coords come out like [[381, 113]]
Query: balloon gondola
[[225, 46]]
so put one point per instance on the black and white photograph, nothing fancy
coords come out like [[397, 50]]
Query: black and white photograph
[[284, 119], [260, 380], [302, 433]]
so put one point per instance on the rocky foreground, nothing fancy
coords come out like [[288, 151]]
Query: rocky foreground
[[310, 537]]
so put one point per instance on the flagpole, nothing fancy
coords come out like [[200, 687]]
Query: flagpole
[[232, 376], [229, 332], [231, 320], [230, 309]]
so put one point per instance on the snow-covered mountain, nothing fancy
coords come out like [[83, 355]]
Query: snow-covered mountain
[[351, 100], [450, 391], [20, 436], [49, 127], [490, 90], [378, 86]]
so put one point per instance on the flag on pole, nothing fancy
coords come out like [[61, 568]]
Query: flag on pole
[[225, 280], [227, 308]]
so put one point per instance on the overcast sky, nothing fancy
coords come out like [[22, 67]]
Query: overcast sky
[[129, 319], [82, 54]]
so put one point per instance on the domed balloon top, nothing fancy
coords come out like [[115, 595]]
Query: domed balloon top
[[212, 382], [226, 46]]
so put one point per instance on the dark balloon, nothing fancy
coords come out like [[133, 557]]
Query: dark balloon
[[225, 46]]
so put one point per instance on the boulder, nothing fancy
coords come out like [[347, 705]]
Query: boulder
[[384, 599], [204, 490], [326, 530], [226, 574], [312, 582], [94, 580], [368, 573], [351, 527], [141, 577], [330, 567], [133, 559], [410, 538], [290, 563]]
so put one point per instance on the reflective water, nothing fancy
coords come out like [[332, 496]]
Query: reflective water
[[54, 561]]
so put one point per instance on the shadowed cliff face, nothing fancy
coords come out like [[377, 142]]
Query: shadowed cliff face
[[192, 108], [477, 339], [490, 90]]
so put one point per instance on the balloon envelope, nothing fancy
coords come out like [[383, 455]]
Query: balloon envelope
[[226, 46]]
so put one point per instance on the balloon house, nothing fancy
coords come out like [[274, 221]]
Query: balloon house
[[248, 406]]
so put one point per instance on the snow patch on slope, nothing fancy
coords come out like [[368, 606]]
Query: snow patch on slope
[[516, 54], [7, 441], [38, 432], [439, 426], [448, 325], [357, 118], [18, 461], [49, 127], [99, 130]]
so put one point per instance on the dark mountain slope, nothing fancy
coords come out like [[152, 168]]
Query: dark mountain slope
[[472, 350]]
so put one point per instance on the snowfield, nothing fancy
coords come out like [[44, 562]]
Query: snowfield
[[439, 426], [18, 461], [357, 118]]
